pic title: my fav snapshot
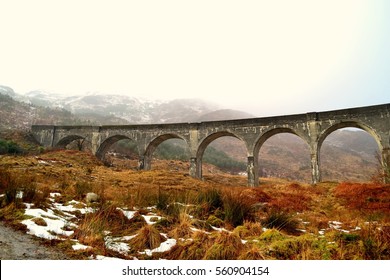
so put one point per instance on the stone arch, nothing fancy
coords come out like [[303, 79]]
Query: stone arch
[[273, 131], [151, 147], [264, 137], [349, 124], [203, 145], [345, 124], [63, 142], [107, 143], [210, 138]]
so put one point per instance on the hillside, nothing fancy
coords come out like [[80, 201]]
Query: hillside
[[164, 213], [20, 115], [16, 115], [132, 110], [287, 156]]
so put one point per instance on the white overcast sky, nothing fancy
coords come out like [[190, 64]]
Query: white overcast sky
[[265, 57]]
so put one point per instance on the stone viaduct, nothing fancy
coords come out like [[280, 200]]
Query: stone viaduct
[[312, 128]]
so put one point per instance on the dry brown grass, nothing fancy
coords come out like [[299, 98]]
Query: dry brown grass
[[192, 249], [183, 229], [148, 237], [227, 246], [365, 197], [253, 253], [291, 197], [218, 198], [93, 227]]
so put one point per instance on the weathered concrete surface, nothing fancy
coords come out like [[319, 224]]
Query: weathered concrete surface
[[312, 128]]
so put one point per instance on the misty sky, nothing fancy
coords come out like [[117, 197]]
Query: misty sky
[[265, 57]]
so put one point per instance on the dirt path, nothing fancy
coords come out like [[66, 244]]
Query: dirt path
[[16, 245]]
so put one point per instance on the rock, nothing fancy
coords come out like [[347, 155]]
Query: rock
[[91, 197]]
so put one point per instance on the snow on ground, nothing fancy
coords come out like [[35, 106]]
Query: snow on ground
[[51, 223], [116, 245], [164, 247], [79, 246], [128, 214], [57, 222], [151, 219], [54, 224]]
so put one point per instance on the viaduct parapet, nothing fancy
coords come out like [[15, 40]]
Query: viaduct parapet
[[312, 128]]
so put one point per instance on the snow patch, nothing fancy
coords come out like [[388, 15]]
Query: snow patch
[[164, 247]]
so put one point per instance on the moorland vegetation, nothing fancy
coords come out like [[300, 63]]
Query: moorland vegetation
[[164, 213]]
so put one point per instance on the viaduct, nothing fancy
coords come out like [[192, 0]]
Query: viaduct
[[312, 128]]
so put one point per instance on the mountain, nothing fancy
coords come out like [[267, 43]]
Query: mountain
[[224, 114], [17, 115], [134, 110]]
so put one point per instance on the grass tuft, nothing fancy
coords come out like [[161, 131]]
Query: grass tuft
[[249, 229], [183, 229], [282, 221], [192, 249], [253, 253], [227, 246], [148, 237], [236, 208]]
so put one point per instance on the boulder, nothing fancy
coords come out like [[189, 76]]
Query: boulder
[[91, 197]]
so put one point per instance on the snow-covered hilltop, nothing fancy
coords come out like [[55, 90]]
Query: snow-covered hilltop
[[132, 109]]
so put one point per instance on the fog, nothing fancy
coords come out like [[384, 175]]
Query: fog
[[262, 57]]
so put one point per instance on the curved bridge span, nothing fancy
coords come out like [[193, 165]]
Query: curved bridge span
[[312, 128]]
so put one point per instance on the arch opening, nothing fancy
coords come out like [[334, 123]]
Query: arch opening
[[349, 153], [222, 152], [123, 154], [119, 151], [73, 142], [168, 151], [283, 154]]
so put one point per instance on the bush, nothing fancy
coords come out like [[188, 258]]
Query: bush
[[9, 147]]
